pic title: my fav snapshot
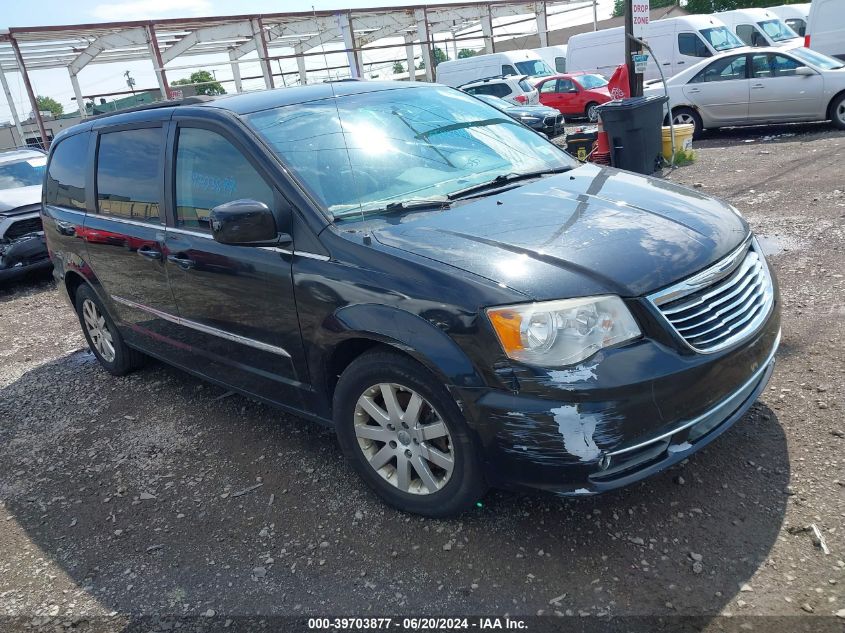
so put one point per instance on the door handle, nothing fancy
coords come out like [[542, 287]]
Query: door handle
[[670, 63], [757, 86], [181, 261], [695, 89], [681, 62], [149, 253]]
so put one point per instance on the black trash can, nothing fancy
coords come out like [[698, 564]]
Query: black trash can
[[634, 129]]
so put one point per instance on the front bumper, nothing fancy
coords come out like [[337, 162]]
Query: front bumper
[[23, 256], [619, 417]]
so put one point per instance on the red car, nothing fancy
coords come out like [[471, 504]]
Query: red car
[[574, 94]]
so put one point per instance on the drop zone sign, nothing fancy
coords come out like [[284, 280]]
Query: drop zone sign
[[640, 12]]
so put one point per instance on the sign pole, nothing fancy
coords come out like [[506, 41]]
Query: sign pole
[[636, 24]]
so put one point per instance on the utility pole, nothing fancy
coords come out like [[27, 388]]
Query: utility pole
[[634, 27]]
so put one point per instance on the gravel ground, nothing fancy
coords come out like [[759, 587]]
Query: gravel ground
[[157, 494]]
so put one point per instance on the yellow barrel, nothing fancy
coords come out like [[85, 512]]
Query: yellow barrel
[[683, 138]]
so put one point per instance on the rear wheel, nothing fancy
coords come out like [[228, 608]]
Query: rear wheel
[[837, 111], [405, 436], [688, 116], [592, 111], [102, 335]]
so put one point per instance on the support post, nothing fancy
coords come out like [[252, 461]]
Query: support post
[[487, 30], [344, 22], [300, 64], [45, 143], [409, 55], [421, 16], [152, 40], [635, 81], [542, 23], [236, 71], [595, 15], [11, 103], [261, 49], [74, 81]]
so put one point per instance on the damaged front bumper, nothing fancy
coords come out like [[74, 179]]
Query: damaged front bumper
[[620, 417], [23, 255]]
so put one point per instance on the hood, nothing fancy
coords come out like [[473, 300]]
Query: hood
[[19, 197], [588, 231], [604, 90], [537, 110]]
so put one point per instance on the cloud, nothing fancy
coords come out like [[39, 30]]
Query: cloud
[[147, 9]]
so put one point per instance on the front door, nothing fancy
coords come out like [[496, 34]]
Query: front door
[[720, 91], [236, 303], [124, 234], [778, 94]]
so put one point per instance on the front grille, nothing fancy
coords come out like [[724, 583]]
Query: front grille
[[722, 305], [22, 227]]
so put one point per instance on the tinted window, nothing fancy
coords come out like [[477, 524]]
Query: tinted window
[[722, 70], [526, 87], [508, 70], [797, 24], [22, 173], [211, 171], [65, 184], [692, 45], [129, 174], [750, 35], [783, 66], [560, 64], [565, 85]]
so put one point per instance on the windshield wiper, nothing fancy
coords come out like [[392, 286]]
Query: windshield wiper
[[504, 179], [401, 205]]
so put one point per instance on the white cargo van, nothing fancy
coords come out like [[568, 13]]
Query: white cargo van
[[826, 28], [554, 56], [457, 72], [795, 16], [759, 27], [678, 43]]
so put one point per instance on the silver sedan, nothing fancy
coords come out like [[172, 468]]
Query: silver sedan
[[763, 85]]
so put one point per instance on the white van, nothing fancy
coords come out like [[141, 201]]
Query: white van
[[678, 43], [794, 15], [457, 72], [759, 27], [554, 56], [826, 28]]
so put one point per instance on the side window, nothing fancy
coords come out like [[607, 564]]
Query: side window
[[65, 183], [129, 174], [501, 90], [746, 33], [548, 86], [507, 69], [210, 171], [566, 85], [760, 68], [691, 44], [722, 70], [783, 66], [560, 64], [797, 24]]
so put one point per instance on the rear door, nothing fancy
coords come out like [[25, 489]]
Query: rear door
[[778, 94], [124, 232], [720, 91], [236, 303]]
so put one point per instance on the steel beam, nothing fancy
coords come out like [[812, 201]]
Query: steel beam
[[236, 71], [353, 56], [261, 47], [11, 103], [300, 64], [129, 37], [45, 143], [74, 81], [158, 64], [234, 31]]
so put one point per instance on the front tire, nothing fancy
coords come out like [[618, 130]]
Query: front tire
[[837, 111], [404, 435], [102, 334], [688, 116], [592, 112]]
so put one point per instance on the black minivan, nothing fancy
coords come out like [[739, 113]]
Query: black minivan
[[465, 303]]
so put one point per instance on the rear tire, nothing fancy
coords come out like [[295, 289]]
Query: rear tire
[[592, 112], [837, 111], [102, 334], [404, 435], [682, 116]]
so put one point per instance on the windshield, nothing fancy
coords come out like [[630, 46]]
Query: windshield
[[591, 81], [817, 59], [363, 152], [777, 31], [22, 173], [534, 68], [721, 39]]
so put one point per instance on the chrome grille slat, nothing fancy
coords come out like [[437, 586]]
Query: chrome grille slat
[[732, 306]]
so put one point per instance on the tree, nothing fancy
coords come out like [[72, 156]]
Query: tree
[[439, 56], [48, 103], [398, 68], [466, 52], [204, 81]]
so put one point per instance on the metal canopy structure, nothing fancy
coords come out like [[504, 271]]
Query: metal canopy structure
[[265, 38]]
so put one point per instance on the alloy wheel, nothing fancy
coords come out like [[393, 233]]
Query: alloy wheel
[[98, 330], [840, 112], [593, 113], [684, 118], [404, 438]]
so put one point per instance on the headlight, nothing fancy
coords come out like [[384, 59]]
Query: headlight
[[563, 332], [530, 119]]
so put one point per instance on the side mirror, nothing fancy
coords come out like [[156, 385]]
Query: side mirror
[[804, 71], [246, 223]]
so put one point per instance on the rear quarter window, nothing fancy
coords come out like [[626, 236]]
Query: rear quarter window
[[65, 182]]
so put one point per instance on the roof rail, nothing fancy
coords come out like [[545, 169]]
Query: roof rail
[[475, 81], [167, 103]]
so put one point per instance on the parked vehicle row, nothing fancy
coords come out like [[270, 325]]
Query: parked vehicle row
[[413, 267], [459, 72], [826, 28]]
